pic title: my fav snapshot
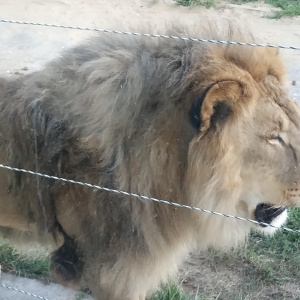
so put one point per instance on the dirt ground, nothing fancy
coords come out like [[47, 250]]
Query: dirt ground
[[26, 48], [227, 277]]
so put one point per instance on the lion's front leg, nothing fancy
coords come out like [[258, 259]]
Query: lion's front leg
[[66, 264]]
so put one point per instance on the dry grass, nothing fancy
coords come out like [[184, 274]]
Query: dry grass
[[268, 267]]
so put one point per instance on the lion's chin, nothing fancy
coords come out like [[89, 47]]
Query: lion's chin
[[269, 214]]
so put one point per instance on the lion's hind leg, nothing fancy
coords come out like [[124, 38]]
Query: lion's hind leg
[[15, 221]]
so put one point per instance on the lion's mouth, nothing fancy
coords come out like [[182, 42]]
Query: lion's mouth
[[267, 213]]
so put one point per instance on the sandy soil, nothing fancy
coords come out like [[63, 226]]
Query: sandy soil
[[26, 48]]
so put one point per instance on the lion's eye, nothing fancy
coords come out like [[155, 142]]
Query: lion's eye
[[276, 140]]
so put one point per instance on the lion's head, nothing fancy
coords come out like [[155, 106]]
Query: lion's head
[[215, 117], [247, 141]]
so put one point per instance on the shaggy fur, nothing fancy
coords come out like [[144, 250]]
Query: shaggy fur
[[200, 124]]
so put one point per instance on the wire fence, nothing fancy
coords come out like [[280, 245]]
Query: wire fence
[[186, 39], [23, 292], [141, 197]]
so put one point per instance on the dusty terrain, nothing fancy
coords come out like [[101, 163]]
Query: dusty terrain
[[25, 48]]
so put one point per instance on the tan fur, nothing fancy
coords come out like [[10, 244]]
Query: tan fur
[[115, 112]]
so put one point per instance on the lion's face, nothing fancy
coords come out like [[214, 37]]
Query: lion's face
[[271, 155], [249, 146]]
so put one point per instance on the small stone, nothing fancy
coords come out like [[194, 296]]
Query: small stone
[[294, 82]]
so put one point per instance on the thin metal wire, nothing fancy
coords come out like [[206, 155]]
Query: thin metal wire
[[23, 292], [190, 39], [98, 187]]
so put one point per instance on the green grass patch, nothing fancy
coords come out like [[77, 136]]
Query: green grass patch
[[277, 257], [82, 295], [289, 8], [170, 292], [173, 292], [13, 262], [205, 3]]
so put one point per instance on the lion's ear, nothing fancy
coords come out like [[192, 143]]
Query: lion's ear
[[217, 102]]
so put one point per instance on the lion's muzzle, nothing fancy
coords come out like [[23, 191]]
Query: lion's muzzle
[[267, 213]]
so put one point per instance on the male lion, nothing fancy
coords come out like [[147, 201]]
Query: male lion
[[202, 124]]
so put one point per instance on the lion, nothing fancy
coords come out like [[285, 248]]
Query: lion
[[200, 124]]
